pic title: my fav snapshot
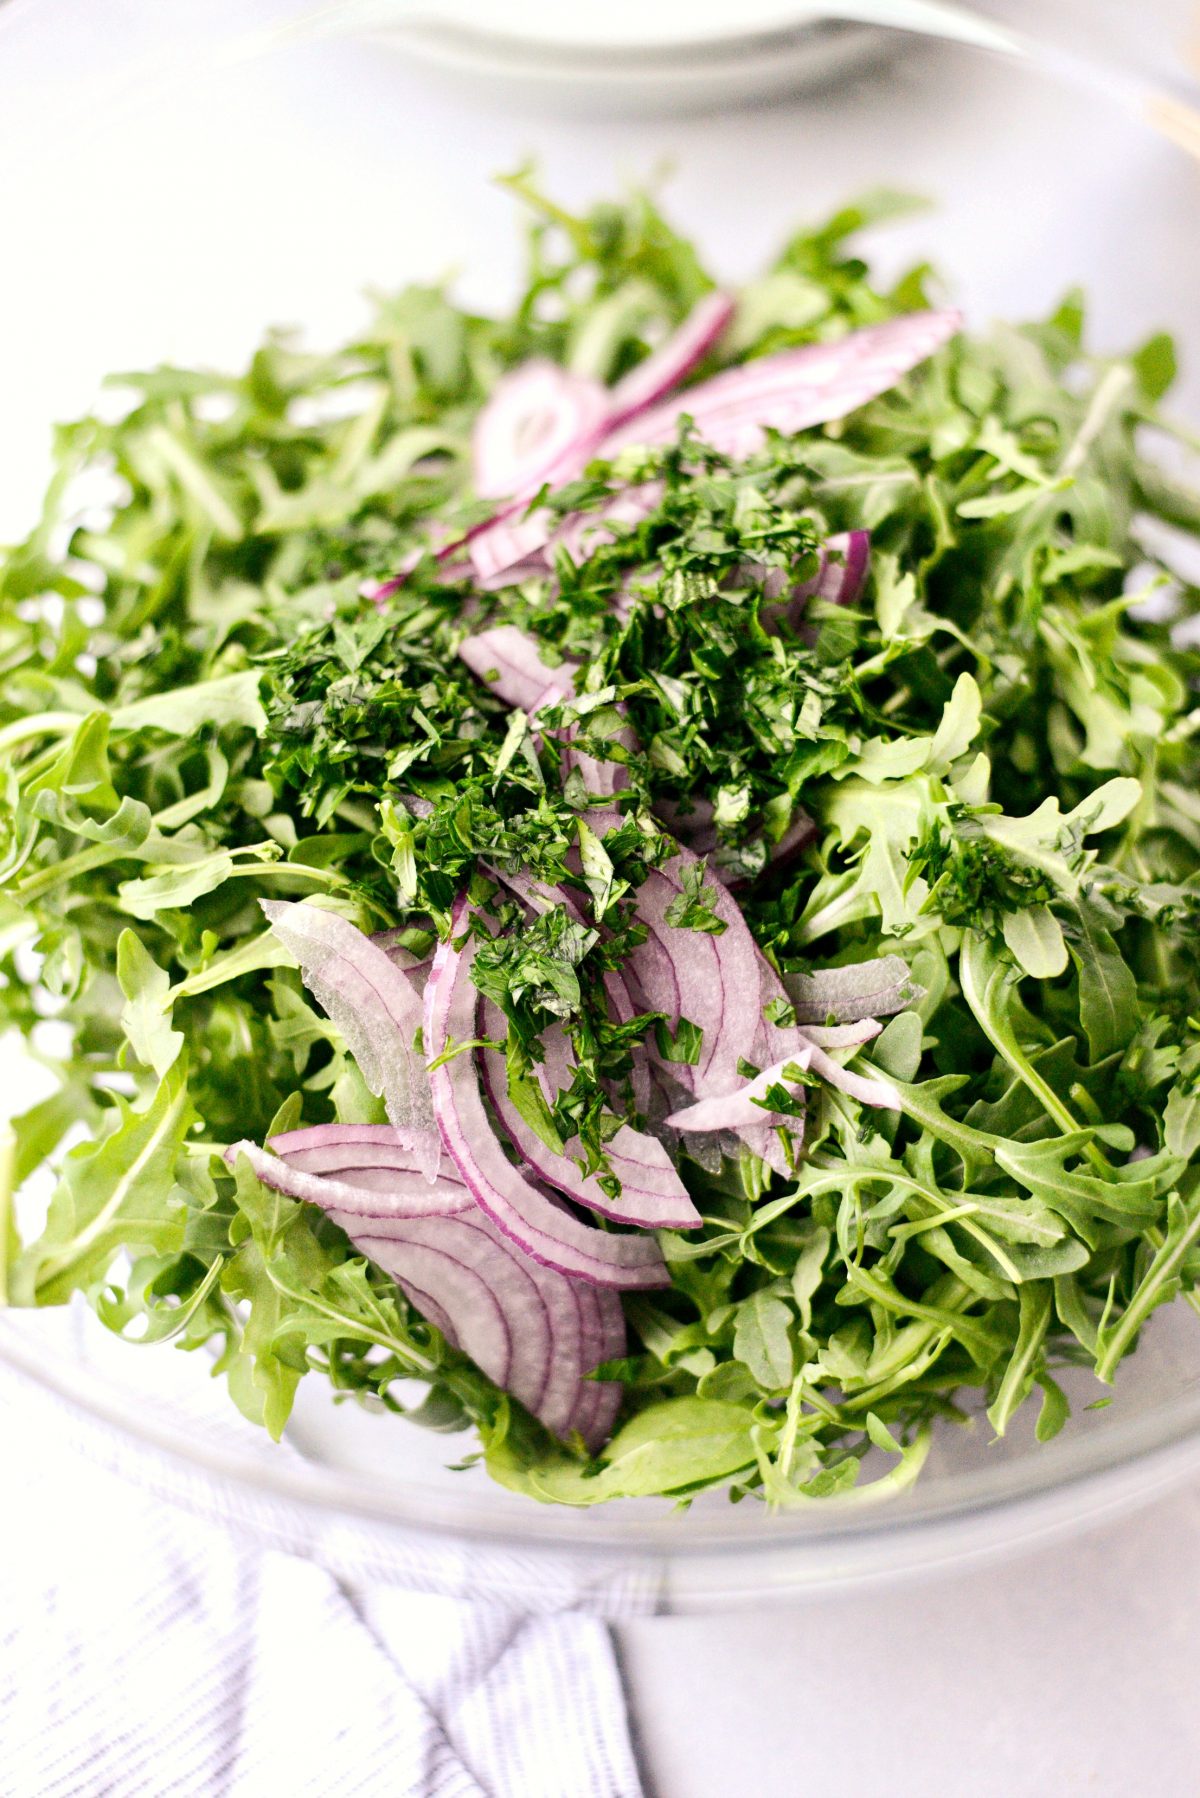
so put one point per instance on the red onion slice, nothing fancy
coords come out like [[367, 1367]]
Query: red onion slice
[[603, 780], [496, 1313], [736, 1111], [528, 1328], [509, 549], [542, 423], [373, 1005], [415, 968], [652, 1195], [623, 1009], [715, 977], [690, 822], [325, 1136], [845, 562], [695, 829], [506, 660], [375, 1157], [581, 533], [789, 392], [538, 421], [602, 1325], [419, 1299], [795, 389], [673, 360], [843, 1036], [406, 1194], [540, 898], [548, 1235], [655, 982], [845, 565]]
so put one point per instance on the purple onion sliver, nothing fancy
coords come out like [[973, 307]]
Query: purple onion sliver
[[554, 1238], [674, 359], [410, 1196]]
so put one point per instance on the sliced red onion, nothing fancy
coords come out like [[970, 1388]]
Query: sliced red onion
[[506, 660], [652, 1195], [537, 422], [415, 968], [845, 562], [499, 574], [842, 574], [655, 984], [373, 1005], [548, 1235], [736, 1111], [763, 1140], [353, 1136], [789, 392], [535, 893], [515, 550], [794, 390], [527, 1327], [776, 1045], [511, 552], [541, 898], [843, 1036], [531, 1330], [581, 533], [418, 1298], [696, 829], [466, 1296], [622, 1008], [375, 1157], [591, 1354], [354, 1185], [603, 780], [715, 977], [496, 1308], [863, 989], [673, 360], [690, 822], [602, 1325], [541, 418], [509, 549], [544, 1350]]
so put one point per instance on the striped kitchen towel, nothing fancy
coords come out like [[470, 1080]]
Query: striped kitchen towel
[[145, 1653]]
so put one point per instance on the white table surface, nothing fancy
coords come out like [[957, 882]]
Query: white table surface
[[281, 192]]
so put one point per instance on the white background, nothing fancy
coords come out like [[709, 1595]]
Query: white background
[[186, 212]]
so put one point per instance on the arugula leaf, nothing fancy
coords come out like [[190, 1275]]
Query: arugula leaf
[[146, 987], [762, 1341], [113, 1191]]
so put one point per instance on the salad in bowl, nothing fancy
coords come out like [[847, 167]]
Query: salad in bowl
[[632, 863]]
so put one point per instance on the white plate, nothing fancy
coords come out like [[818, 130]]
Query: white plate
[[628, 56], [626, 27]]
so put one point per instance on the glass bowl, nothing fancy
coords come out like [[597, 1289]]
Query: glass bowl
[[205, 207]]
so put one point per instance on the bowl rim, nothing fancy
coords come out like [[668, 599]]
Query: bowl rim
[[1147, 1449]]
